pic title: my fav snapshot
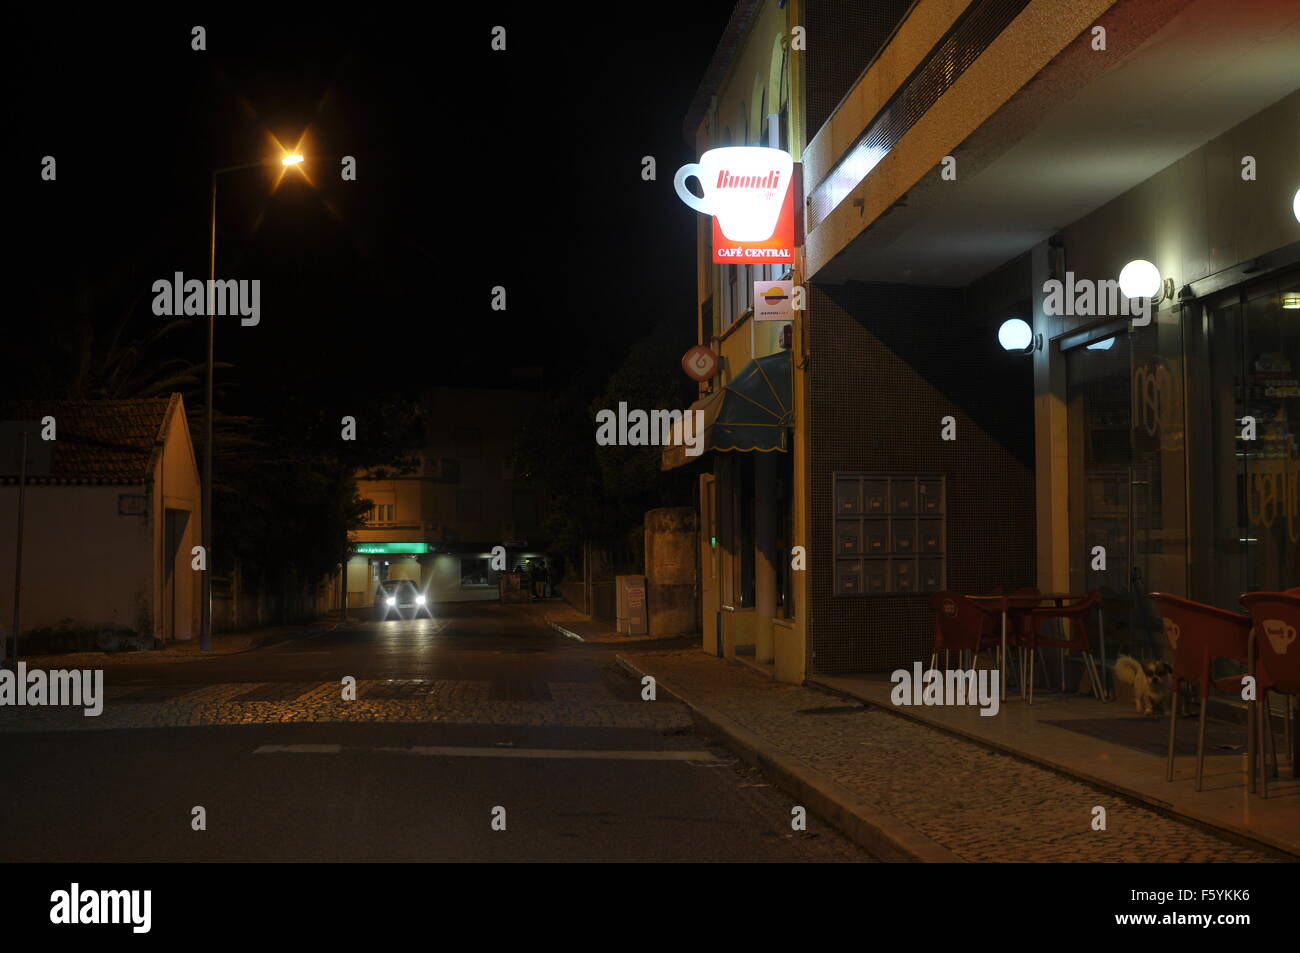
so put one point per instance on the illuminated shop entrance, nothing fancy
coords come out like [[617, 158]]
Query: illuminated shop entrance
[[442, 572]]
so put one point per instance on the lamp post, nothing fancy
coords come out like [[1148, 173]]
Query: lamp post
[[205, 630]]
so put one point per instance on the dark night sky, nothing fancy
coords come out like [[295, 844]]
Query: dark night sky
[[474, 168]]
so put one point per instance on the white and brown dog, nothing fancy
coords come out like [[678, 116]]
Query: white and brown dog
[[1153, 683]]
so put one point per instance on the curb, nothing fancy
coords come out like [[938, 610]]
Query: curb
[[624, 640], [563, 631], [881, 834]]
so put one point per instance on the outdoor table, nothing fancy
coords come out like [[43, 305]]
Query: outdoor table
[[1008, 604]]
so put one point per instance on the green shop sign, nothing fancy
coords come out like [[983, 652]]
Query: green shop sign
[[386, 549]]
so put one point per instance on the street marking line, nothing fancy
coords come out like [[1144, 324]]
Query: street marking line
[[583, 693], [457, 751]]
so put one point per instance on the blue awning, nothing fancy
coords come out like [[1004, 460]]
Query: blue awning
[[755, 412]]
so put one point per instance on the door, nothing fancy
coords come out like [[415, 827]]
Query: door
[[1254, 337], [1128, 500], [710, 578], [177, 597]]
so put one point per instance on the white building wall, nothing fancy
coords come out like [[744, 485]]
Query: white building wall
[[81, 560]]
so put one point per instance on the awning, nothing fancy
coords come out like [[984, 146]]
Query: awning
[[753, 413]]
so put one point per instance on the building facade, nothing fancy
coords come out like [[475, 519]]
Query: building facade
[[438, 526], [110, 518], [993, 160]]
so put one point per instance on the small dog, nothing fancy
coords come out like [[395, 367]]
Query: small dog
[[1153, 683]]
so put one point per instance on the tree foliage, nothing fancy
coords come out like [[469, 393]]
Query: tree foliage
[[601, 493]]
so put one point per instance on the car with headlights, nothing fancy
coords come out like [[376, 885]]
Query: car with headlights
[[401, 599]]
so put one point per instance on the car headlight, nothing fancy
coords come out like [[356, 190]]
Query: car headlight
[[419, 600], [392, 601]]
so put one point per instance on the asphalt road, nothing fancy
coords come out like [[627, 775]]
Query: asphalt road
[[399, 791]]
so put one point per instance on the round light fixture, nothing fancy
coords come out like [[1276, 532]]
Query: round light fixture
[[1015, 335], [1295, 205], [1140, 279]]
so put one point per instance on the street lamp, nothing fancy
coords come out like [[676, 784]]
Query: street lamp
[[1016, 335], [1140, 279], [205, 630]]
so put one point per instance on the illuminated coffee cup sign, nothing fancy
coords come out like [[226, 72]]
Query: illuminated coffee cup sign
[[747, 190]]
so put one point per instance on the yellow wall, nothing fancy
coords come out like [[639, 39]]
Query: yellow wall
[[739, 104]]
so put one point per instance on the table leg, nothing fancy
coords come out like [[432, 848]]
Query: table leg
[[1004, 654], [1252, 715], [1295, 736], [1101, 638]]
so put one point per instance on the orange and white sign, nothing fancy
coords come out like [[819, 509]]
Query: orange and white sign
[[748, 191], [700, 363], [772, 301]]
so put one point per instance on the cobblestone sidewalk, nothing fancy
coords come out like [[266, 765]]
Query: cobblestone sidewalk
[[977, 803]]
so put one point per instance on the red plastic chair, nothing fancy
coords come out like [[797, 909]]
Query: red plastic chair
[[961, 625], [1198, 634], [1076, 616], [1276, 620]]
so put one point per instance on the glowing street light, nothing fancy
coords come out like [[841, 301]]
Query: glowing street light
[[205, 618]]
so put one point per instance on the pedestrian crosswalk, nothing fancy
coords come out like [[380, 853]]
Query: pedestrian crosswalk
[[605, 701], [391, 689]]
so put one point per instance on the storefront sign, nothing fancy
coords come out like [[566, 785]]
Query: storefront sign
[[700, 363], [748, 191], [388, 549], [772, 300], [132, 504]]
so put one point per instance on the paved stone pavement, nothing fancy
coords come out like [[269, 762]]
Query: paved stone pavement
[[980, 804], [416, 701]]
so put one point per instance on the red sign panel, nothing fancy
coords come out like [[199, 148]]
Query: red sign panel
[[776, 250]]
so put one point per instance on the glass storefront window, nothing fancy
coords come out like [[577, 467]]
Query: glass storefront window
[[1255, 348], [1128, 491]]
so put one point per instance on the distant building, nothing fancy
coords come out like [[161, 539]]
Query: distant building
[[111, 513], [439, 525]]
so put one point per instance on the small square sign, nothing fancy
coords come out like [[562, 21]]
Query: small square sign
[[772, 301]]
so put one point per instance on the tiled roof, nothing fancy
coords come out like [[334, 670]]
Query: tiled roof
[[97, 441]]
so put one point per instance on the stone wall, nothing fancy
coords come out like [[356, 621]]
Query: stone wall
[[670, 570]]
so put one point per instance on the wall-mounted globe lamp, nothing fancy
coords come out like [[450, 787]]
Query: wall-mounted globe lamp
[[1295, 205], [1017, 336], [1141, 279]]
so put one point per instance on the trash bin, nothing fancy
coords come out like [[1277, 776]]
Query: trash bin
[[512, 587], [630, 605]]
